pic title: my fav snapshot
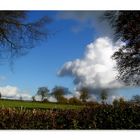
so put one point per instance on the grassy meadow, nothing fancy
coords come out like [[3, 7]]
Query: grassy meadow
[[5, 103]]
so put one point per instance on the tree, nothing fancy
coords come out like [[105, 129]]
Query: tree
[[58, 92], [20, 98], [63, 100], [135, 99], [84, 94], [116, 103], [43, 92], [0, 95], [119, 102], [104, 95], [74, 100], [126, 25], [18, 35], [122, 101], [33, 98]]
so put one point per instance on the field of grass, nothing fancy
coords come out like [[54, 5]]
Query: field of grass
[[34, 105]]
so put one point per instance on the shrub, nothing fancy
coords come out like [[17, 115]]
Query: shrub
[[99, 117], [74, 101]]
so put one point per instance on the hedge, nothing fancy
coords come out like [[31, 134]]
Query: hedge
[[99, 117]]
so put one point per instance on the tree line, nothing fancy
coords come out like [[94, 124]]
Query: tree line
[[59, 93]]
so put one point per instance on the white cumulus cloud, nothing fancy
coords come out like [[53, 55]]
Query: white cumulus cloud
[[96, 69], [13, 92]]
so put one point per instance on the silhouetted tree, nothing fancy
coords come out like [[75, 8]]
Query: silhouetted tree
[[0, 95], [20, 98], [74, 100], [43, 92], [84, 94], [33, 98], [122, 102], [104, 95], [58, 92], [126, 25], [115, 102], [45, 100], [63, 100], [18, 34], [135, 99]]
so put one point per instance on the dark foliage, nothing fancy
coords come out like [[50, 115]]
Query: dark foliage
[[74, 101], [97, 117], [126, 25], [18, 34], [84, 94], [43, 92], [104, 95], [58, 92], [135, 99], [33, 98]]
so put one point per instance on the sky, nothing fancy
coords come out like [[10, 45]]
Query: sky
[[77, 53]]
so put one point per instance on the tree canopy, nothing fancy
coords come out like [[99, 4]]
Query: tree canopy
[[18, 34], [126, 25], [84, 94], [104, 95], [136, 99], [58, 92], [43, 92]]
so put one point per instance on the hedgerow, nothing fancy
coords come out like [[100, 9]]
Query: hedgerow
[[99, 117]]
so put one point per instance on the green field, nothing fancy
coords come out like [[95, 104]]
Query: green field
[[31, 105]]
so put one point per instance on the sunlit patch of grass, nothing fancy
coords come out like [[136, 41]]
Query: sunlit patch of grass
[[32, 105]]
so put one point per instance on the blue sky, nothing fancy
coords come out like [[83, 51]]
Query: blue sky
[[40, 66]]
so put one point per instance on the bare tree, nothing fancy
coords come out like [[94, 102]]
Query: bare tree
[[18, 35]]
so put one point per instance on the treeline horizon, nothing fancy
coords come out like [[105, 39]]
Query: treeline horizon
[[63, 95]]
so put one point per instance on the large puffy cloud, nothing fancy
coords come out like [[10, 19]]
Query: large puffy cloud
[[13, 92], [96, 69]]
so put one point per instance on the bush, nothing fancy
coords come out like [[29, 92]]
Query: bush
[[45, 101], [99, 117], [74, 101]]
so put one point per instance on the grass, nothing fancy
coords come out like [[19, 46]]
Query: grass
[[34, 105]]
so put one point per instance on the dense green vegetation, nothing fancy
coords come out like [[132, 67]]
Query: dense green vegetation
[[32, 105]]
